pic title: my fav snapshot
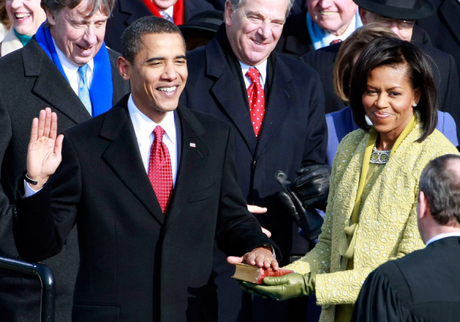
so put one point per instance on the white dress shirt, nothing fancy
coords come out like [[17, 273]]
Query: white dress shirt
[[169, 12], [143, 128], [262, 68], [328, 37], [71, 70]]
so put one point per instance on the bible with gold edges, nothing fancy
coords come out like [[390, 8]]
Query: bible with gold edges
[[256, 275]]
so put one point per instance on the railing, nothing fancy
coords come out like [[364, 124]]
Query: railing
[[46, 278]]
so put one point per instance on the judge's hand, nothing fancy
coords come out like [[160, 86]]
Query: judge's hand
[[281, 287], [260, 210], [259, 256], [44, 152]]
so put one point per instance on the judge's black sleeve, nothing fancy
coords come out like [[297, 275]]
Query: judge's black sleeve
[[379, 301]]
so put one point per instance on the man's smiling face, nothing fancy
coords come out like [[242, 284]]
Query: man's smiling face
[[77, 33], [334, 16], [254, 29], [158, 74]]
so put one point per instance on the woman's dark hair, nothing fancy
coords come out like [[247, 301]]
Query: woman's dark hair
[[395, 52], [349, 49]]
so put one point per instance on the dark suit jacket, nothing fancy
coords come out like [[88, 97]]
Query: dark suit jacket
[[421, 286], [444, 27], [136, 263], [128, 11], [444, 72], [30, 82], [295, 40], [293, 132]]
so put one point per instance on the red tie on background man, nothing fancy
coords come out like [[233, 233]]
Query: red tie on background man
[[336, 41], [160, 172], [256, 100]]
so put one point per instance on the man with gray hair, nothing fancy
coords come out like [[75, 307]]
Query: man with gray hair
[[422, 286], [276, 106], [67, 67]]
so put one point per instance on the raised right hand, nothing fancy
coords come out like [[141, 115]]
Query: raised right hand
[[45, 149]]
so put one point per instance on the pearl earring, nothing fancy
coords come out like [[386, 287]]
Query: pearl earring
[[415, 105]]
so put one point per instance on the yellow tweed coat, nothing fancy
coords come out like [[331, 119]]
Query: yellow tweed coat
[[387, 226]]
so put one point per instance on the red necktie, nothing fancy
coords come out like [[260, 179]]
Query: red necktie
[[336, 41], [256, 100], [160, 173]]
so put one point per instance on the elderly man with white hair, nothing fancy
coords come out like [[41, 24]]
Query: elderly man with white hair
[[322, 23]]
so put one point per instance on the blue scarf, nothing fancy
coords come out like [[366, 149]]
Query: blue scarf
[[101, 90], [317, 34]]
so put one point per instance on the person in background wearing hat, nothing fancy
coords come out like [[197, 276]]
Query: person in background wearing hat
[[322, 23], [127, 11], [201, 28], [443, 27], [400, 17], [422, 286]]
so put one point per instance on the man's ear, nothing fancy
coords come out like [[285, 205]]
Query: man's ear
[[50, 17], [363, 14], [422, 206], [124, 68], [228, 13]]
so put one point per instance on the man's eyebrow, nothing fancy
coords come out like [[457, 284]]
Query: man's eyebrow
[[153, 59], [163, 58]]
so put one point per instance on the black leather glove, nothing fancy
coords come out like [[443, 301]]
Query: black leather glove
[[312, 185]]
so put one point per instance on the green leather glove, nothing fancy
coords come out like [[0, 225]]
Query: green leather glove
[[282, 287]]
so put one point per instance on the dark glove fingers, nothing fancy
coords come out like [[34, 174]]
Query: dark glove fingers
[[286, 201]]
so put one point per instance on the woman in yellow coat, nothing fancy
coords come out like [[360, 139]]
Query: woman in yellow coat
[[371, 212]]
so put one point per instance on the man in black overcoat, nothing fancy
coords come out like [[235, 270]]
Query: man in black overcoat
[[292, 134], [45, 74], [149, 184]]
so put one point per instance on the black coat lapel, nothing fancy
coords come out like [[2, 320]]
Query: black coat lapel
[[227, 91], [278, 104], [37, 64], [194, 156], [123, 156]]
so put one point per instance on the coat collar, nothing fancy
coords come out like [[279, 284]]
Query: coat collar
[[122, 154], [136, 10], [37, 64]]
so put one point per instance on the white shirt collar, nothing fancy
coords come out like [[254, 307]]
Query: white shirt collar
[[328, 38], [71, 70], [144, 126], [441, 236], [169, 11], [262, 68]]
